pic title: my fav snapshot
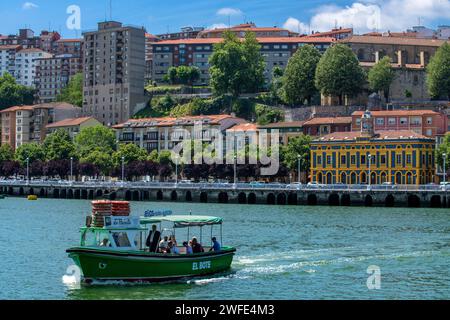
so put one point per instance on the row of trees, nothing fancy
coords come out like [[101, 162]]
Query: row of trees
[[95, 152]]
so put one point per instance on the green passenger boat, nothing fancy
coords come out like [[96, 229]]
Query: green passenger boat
[[117, 251]]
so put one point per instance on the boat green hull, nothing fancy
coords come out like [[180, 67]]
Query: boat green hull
[[103, 265]]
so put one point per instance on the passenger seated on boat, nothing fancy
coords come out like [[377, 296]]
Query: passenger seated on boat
[[105, 243], [172, 249], [188, 248], [172, 238], [216, 245], [196, 246], [153, 239], [163, 245]]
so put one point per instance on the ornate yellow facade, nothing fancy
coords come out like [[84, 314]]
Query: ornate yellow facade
[[398, 157]]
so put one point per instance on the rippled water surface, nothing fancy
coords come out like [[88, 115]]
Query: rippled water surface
[[283, 253]]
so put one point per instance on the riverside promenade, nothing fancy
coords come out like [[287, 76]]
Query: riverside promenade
[[241, 193]]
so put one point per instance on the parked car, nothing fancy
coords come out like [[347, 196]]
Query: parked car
[[295, 185]]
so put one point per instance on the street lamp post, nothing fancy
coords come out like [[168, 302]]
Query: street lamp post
[[370, 173], [299, 169], [445, 168], [235, 170], [176, 171], [123, 169], [71, 169], [28, 170]]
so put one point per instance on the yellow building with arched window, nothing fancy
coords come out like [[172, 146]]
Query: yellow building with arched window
[[398, 157]]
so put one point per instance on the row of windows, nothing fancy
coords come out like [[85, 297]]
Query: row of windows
[[364, 160]]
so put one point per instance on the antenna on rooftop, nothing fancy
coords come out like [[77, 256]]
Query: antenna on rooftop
[[110, 10]]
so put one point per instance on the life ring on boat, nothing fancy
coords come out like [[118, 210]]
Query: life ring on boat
[[102, 265]]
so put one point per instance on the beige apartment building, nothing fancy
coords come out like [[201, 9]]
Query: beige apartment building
[[165, 133], [114, 70], [73, 126], [27, 124]]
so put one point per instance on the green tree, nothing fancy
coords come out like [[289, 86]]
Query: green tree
[[6, 153], [444, 148], [381, 77], [438, 73], [163, 106], [33, 151], [298, 82], [73, 93], [13, 94], [298, 146], [339, 73], [266, 114], [236, 66], [130, 152], [95, 138], [101, 159], [59, 146]]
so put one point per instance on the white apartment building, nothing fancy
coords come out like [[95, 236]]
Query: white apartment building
[[26, 63], [7, 58]]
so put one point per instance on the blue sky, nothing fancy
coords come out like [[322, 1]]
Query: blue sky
[[161, 16]]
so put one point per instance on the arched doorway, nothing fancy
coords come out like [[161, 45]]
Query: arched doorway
[[409, 178], [203, 197], [189, 196], [281, 199], [353, 178], [363, 178], [242, 198], [223, 197], [413, 201], [373, 178], [346, 200], [292, 199], [398, 178], [333, 200], [383, 178], [136, 196], [435, 202], [312, 200], [252, 198], [368, 202], [389, 201], [344, 178], [174, 196], [159, 196], [271, 199], [329, 178], [320, 178]]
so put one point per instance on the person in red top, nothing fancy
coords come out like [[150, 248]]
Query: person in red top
[[196, 246]]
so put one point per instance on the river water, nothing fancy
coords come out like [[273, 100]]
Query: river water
[[283, 253]]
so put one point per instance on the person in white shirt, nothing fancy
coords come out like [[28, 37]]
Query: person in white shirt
[[164, 244]]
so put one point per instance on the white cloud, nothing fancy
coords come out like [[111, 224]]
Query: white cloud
[[229, 12], [29, 6], [217, 26], [296, 25], [382, 15]]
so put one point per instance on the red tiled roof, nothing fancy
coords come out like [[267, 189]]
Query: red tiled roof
[[70, 40], [380, 135], [334, 31], [31, 50], [393, 113], [10, 47], [293, 124], [260, 40], [329, 120], [406, 41], [244, 127], [170, 121], [69, 122], [17, 108]]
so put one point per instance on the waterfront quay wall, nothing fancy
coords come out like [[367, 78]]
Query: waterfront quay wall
[[246, 196]]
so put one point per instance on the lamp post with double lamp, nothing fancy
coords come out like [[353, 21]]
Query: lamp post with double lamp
[[299, 157], [370, 173]]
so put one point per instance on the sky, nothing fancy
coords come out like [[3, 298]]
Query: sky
[[170, 15]]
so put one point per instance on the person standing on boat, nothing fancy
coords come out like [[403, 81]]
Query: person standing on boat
[[153, 239], [216, 245]]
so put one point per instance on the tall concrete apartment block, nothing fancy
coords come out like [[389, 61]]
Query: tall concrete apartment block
[[113, 69]]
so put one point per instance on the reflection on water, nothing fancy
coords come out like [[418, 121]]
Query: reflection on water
[[283, 253]]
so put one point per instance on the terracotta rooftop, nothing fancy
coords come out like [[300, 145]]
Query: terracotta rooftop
[[260, 40], [393, 113], [380, 135], [69, 122], [69, 40], [279, 125], [31, 50], [332, 32], [405, 41], [10, 47], [244, 127], [169, 121], [52, 105], [329, 120]]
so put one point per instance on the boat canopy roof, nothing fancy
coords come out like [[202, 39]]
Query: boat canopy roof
[[184, 221]]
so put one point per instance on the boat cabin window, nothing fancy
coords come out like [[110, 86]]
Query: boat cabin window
[[121, 239], [95, 239]]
